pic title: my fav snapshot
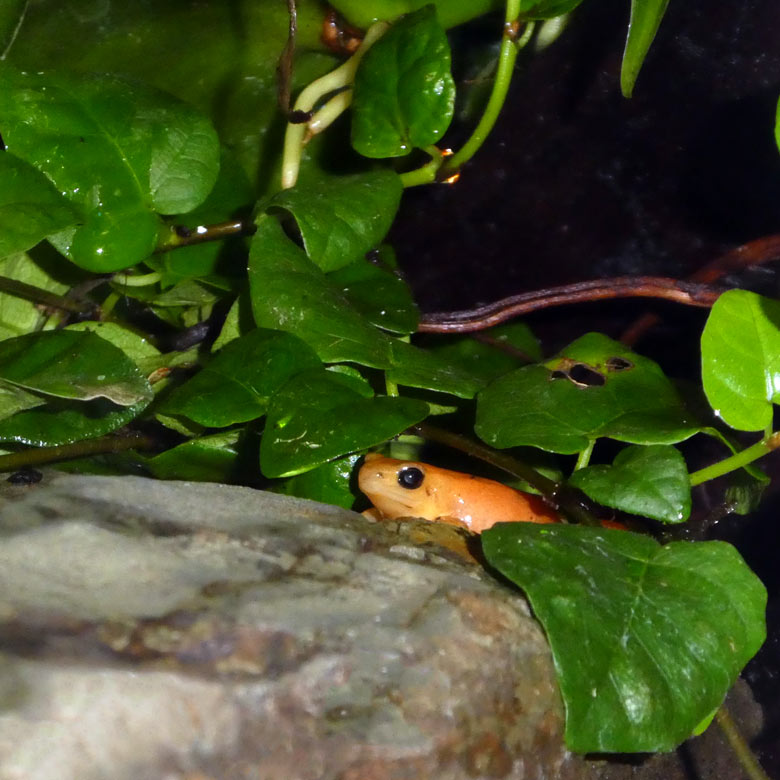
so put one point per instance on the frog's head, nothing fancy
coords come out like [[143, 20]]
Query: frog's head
[[398, 488]]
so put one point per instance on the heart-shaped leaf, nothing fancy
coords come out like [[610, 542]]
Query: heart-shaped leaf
[[648, 481], [646, 639], [404, 93]]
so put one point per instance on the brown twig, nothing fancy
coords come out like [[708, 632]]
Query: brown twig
[[37, 456], [43, 297], [754, 253], [284, 68], [181, 235], [686, 293]]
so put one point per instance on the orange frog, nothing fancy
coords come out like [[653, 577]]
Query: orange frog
[[404, 488]]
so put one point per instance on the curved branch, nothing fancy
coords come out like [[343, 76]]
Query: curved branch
[[686, 293]]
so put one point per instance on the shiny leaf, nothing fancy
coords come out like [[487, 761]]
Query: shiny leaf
[[30, 206], [117, 151], [648, 481], [340, 219], [321, 415], [236, 384], [740, 354], [595, 387], [68, 364], [646, 639], [643, 24], [404, 93]]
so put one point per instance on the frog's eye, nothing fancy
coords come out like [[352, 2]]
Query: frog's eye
[[410, 478]]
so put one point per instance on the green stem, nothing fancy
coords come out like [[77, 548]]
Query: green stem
[[583, 458], [138, 280], [736, 461], [742, 751], [510, 45], [426, 174], [105, 444]]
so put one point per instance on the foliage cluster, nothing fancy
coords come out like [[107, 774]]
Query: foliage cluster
[[108, 182]]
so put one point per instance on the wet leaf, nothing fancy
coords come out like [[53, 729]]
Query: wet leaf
[[646, 639], [117, 151], [595, 387], [648, 481], [237, 383], [404, 93], [740, 355], [290, 293], [30, 206], [68, 364], [321, 415], [340, 219], [643, 24]]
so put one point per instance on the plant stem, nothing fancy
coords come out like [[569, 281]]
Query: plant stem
[[178, 235], [42, 297], [736, 461], [583, 458], [425, 174], [105, 444], [510, 45], [741, 749], [481, 317], [138, 280]]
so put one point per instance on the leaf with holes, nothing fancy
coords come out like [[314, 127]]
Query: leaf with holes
[[594, 387]]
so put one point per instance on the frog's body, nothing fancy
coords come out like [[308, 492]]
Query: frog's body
[[400, 488]]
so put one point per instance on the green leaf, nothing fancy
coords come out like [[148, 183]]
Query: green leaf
[[740, 355], [68, 364], [65, 422], [595, 387], [30, 206], [236, 385], [546, 9], [647, 481], [404, 93], [135, 346], [329, 483], [414, 367], [643, 24], [204, 459], [117, 151], [777, 126], [321, 415], [381, 296], [497, 350], [231, 198], [290, 293], [646, 639], [17, 315], [342, 218], [450, 12]]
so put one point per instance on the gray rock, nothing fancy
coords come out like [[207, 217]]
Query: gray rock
[[179, 630]]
